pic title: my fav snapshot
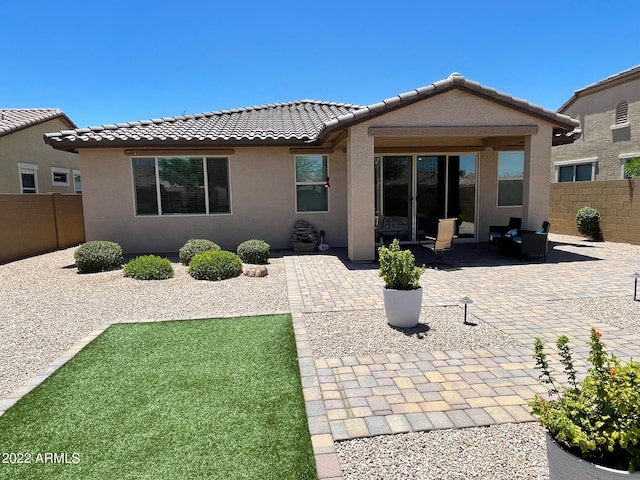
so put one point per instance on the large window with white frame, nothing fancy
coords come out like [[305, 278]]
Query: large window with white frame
[[510, 178], [312, 192], [28, 177], [181, 185]]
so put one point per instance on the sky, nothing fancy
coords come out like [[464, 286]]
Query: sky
[[126, 60]]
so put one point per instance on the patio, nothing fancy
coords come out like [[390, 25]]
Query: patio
[[375, 392], [369, 380]]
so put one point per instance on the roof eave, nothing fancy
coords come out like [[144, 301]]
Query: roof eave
[[402, 100], [75, 145]]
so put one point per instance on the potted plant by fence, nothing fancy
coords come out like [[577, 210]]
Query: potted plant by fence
[[593, 425], [402, 292]]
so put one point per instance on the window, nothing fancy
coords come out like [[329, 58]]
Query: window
[[580, 170], [177, 186], [510, 178], [575, 173], [28, 175], [77, 182], [312, 192], [59, 177], [622, 112]]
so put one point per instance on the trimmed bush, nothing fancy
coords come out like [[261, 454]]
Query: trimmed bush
[[195, 246], [254, 251], [215, 265], [98, 256], [588, 222], [149, 267]]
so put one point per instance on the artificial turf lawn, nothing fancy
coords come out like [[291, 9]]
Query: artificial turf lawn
[[217, 399]]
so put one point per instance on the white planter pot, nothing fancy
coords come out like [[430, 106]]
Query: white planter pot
[[565, 466], [402, 306]]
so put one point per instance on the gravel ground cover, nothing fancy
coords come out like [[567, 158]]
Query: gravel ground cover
[[499, 452], [619, 312], [46, 306], [366, 332]]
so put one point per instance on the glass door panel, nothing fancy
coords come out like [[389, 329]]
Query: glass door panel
[[396, 193], [466, 196]]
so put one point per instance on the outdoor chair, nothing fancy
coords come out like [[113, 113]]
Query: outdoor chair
[[498, 231], [443, 241], [527, 242]]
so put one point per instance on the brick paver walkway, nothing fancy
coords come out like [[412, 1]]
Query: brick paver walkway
[[369, 395]]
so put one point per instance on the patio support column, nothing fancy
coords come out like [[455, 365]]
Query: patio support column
[[536, 188], [360, 195]]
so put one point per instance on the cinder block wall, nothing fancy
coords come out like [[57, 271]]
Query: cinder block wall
[[618, 202], [39, 223]]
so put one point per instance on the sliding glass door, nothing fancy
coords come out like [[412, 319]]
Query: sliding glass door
[[420, 189]]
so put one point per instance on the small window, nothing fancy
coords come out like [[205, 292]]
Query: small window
[[77, 182], [28, 177], [510, 178], [311, 183], [60, 177], [622, 112], [575, 173], [581, 170]]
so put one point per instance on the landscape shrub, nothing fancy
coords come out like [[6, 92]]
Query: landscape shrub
[[149, 267], [215, 265], [98, 256], [254, 251], [588, 222], [195, 246]]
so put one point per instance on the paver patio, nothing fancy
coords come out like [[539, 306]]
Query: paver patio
[[370, 395]]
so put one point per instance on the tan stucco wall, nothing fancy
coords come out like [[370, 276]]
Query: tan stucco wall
[[262, 203], [27, 146], [596, 113]]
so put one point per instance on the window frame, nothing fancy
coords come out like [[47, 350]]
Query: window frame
[[626, 158], [75, 173], [575, 163], [503, 179], [65, 171], [158, 197], [28, 166], [322, 183]]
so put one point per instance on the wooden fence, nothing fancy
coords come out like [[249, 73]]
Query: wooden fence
[[39, 223], [618, 202]]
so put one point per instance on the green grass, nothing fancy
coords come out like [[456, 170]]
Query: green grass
[[173, 400]]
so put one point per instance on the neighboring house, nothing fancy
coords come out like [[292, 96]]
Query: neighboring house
[[609, 115], [451, 149], [27, 164]]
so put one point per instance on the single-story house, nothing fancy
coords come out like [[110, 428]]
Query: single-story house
[[454, 148], [27, 164]]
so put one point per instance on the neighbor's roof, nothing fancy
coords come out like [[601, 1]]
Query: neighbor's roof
[[14, 119], [301, 122], [613, 80]]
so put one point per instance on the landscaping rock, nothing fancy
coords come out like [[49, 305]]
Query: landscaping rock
[[259, 271]]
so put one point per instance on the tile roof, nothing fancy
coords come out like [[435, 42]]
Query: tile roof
[[296, 122], [612, 80], [14, 119], [455, 80], [291, 123]]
